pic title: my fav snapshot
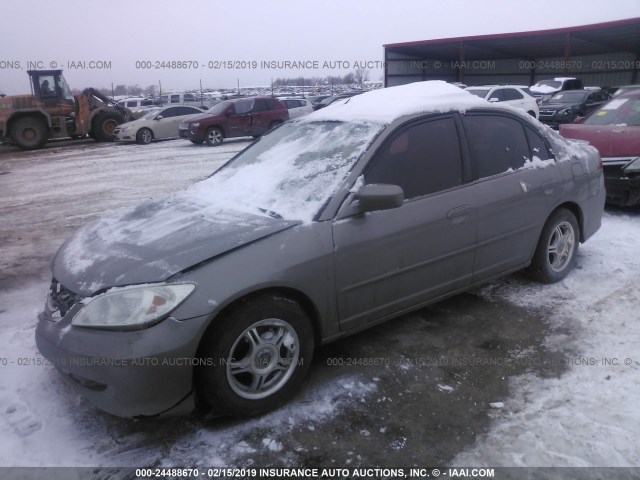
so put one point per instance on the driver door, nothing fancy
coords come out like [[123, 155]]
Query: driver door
[[394, 260]]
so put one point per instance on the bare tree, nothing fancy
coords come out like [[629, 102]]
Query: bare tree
[[361, 75]]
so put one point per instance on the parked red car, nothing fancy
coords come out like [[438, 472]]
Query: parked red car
[[614, 130], [239, 117]]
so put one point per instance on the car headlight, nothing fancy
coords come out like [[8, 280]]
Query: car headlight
[[125, 128], [195, 124], [566, 111], [183, 125], [132, 307]]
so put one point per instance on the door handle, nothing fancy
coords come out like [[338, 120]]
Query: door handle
[[458, 214]]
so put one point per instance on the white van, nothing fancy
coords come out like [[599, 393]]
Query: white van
[[180, 98]]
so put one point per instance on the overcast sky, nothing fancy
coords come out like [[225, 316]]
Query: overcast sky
[[70, 34]]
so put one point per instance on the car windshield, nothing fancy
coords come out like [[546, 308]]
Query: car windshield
[[569, 97], [619, 111], [150, 114], [219, 108], [290, 173], [478, 92]]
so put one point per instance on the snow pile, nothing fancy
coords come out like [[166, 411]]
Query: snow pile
[[589, 416], [387, 104]]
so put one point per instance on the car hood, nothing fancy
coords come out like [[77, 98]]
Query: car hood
[[610, 140], [153, 241], [197, 118], [558, 106]]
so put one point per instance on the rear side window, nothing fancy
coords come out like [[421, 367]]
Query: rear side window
[[538, 147], [422, 159], [511, 94], [496, 143]]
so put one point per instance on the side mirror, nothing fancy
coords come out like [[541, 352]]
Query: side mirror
[[493, 100], [578, 119], [379, 196], [159, 117]]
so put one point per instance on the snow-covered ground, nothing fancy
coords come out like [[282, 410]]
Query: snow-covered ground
[[344, 417]]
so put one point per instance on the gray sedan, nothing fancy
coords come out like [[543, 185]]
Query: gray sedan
[[217, 295]]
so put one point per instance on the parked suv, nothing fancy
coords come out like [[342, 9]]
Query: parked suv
[[240, 117], [565, 107], [514, 95]]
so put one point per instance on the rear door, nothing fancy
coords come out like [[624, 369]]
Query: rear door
[[513, 194], [392, 260]]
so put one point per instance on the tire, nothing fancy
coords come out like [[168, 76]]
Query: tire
[[103, 125], [557, 247], [213, 136], [255, 358], [144, 136], [29, 133]]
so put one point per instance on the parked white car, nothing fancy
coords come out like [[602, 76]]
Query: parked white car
[[297, 106], [158, 123], [514, 95]]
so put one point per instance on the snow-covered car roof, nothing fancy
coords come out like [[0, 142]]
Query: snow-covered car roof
[[388, 104]]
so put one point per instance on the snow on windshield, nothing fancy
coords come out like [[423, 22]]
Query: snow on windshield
[[291, 172]]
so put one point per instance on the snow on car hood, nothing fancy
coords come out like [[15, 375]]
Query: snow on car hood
[[153, 241]]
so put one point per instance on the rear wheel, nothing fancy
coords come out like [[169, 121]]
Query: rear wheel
[[255, 358], [144, 136], [213, 136], [104, 124], [557, 247], [29, 133]]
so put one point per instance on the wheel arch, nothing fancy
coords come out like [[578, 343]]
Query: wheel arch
[[42, 115], [219, 127], [577, 212], [289, 293]]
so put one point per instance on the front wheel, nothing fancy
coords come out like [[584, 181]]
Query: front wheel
[[557, 247], [144, 136], [213, 136], [255, 358], [104, 124]]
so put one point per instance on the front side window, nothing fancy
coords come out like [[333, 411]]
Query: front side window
[[497, 143], [422, 159], [243, 106], [170, 112]]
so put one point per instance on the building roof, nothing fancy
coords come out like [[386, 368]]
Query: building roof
[[608, 37]]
